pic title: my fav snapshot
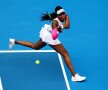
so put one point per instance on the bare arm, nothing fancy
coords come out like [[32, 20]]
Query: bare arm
[[67, 22]]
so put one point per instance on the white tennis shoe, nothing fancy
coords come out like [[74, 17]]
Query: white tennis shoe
[[11, 43], [78, 78]]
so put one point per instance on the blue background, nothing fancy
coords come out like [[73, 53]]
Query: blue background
[[86, 40]]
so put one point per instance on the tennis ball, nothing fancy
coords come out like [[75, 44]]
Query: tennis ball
[[37, 62]]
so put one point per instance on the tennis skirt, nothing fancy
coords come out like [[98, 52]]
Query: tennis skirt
[[45, 35]]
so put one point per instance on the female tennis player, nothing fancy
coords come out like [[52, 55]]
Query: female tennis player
[[49, 35]]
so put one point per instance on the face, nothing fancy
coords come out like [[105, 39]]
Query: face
[[62, 16]]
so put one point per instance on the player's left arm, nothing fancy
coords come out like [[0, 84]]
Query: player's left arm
[[67, 22]]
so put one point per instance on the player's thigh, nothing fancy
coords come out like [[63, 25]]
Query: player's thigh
[[39, 44], [60, 49]]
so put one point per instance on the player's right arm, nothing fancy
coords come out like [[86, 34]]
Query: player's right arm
[[55, 25]]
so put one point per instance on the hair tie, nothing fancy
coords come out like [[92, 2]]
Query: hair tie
[[49, 16]]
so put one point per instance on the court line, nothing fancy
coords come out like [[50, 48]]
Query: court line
[[21, 51], [64, 72], [1, 88]]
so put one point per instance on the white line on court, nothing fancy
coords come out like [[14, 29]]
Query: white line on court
[[64, 72], [1, 88], [21, 51]]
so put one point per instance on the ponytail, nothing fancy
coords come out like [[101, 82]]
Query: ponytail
[[51, 16], [48, 16]]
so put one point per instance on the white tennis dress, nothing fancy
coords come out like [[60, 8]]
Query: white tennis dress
[[45, 34]]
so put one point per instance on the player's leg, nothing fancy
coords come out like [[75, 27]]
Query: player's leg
[[38, 45], [60, 49]]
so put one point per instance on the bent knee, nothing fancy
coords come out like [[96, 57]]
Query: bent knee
[[34, 47]]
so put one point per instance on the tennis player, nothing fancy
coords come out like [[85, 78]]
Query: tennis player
[[59, 21]]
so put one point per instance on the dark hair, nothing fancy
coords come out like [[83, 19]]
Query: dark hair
[[50, 16], [58, 8]]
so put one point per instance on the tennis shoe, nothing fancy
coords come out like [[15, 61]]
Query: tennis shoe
[[11, 43], [78, 78]]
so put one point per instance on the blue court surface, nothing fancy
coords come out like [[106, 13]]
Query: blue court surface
[[19, 71], [86, 42]]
